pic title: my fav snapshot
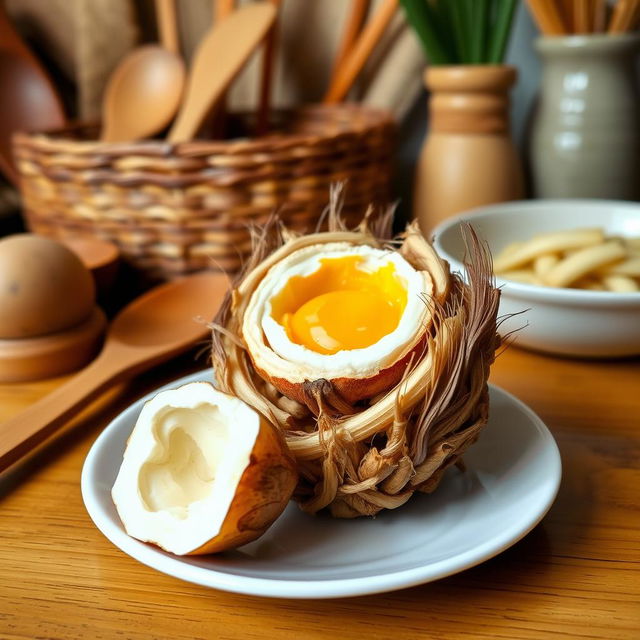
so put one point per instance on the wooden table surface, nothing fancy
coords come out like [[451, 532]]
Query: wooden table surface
[[576, 575]]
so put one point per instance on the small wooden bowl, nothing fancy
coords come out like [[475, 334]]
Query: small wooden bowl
[[23, 359]]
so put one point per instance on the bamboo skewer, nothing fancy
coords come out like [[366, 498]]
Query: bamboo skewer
[[360, 52], [625, 16], [634, 16], [547, 16], [581, 13], [567, 13], [600, 16], [562, 17], [617, 18], [591, 15]]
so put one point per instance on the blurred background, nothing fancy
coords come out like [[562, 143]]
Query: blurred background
[[81, 42]]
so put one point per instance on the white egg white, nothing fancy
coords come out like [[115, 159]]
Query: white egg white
[[182, 466], [296, 362]]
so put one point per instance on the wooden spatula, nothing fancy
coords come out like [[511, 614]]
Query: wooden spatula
[[219, 58]]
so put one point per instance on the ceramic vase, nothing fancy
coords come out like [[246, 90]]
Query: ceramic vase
[[585, 132]]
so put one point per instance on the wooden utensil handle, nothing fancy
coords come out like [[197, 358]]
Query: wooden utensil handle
[[624, 16], [168, 25], [599, 15], [547, 17], [355, 20], [22, 433], [361, 51], [266, 79], [223, 8], [219, 58]]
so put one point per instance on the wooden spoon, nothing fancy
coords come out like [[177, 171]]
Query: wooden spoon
[[150, 330], [168, 25], [219, 58], [144, 92], [29, 100]]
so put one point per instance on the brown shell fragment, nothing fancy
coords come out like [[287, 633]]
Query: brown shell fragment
[[263, 492]]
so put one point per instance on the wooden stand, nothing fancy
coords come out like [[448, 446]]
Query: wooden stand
[[23, 359]]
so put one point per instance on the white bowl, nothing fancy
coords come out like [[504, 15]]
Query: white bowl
[[560, 321]]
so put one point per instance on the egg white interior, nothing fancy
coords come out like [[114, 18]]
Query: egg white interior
[[308, 364], [182, 465]]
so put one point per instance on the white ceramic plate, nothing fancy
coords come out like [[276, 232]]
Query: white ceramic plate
[[513, 474]]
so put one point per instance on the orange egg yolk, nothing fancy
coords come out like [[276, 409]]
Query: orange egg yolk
[[340, 306]]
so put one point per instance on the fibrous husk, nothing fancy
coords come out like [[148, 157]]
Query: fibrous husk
[[376, 458]]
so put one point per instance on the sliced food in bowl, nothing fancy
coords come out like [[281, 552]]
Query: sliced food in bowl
[[583, 258]]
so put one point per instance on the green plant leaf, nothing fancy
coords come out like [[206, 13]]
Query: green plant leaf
[[444, 26], [501, 30], [479, 21], [461, 31], [421, 16]]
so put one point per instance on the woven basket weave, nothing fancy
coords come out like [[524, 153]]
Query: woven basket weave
[[173, 209]]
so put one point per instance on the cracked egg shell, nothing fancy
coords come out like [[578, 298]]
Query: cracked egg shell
[[350, 314], [202, 472]]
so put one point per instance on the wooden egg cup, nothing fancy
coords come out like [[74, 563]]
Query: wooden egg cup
[[24, 359]]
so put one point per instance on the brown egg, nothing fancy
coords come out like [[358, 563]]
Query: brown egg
[[44, 287]]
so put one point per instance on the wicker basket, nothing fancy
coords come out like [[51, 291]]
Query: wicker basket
[[173, 209]]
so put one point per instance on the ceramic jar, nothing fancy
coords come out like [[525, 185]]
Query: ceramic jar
[[468, 158], [585, 133]]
